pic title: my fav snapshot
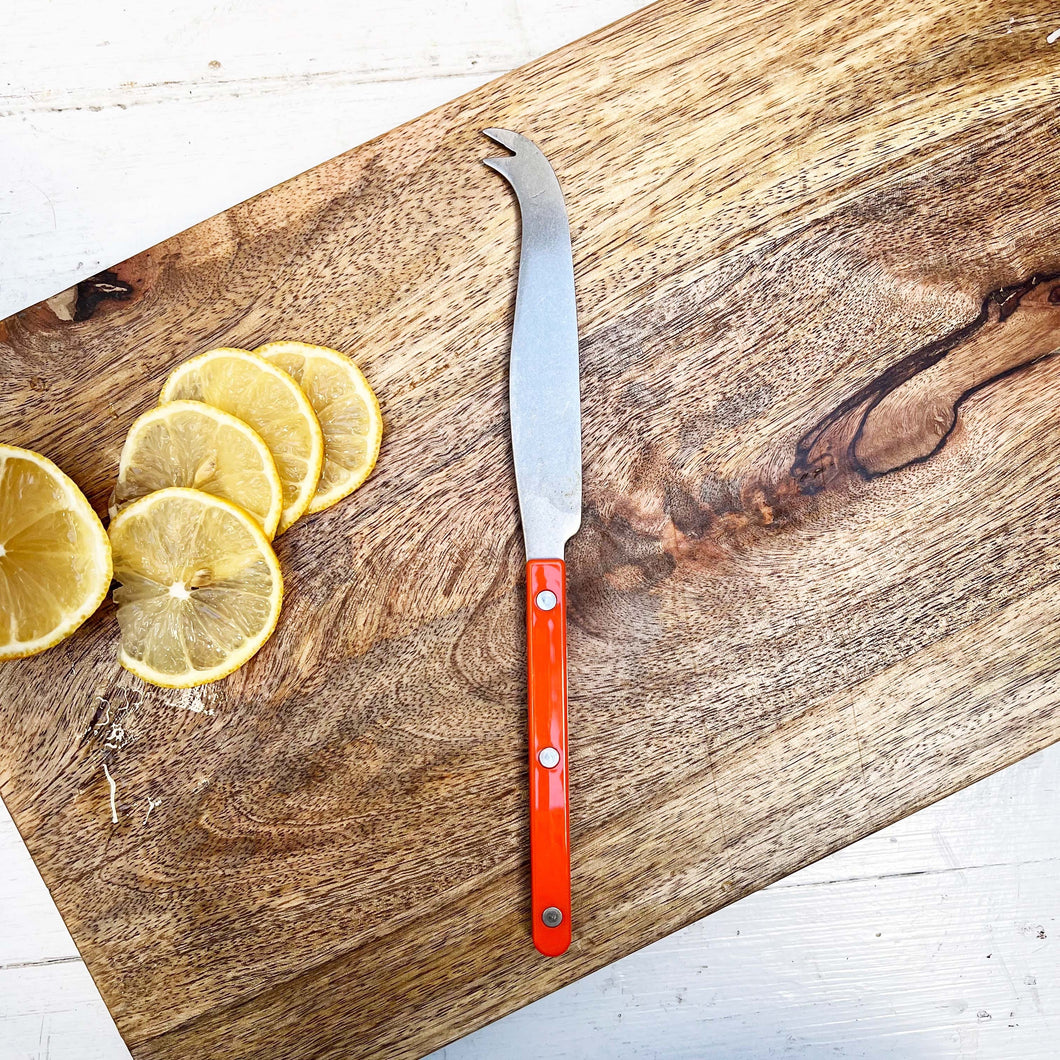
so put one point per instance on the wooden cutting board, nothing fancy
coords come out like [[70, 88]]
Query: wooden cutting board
[[817, 584]]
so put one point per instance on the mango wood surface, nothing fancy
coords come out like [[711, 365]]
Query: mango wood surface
[[818, 257]]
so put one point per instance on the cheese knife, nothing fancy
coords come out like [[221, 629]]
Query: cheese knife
[[544, 407]]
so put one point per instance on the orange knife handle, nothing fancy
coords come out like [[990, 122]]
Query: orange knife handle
[[546, 644]]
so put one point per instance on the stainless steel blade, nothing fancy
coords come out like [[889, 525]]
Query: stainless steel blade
[[543, 382]]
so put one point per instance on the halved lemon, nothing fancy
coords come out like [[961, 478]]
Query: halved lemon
[[189, 443], [346, 408], [270, 402], [55, 565], [200, 587]]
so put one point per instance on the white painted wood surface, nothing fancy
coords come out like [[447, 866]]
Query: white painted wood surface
[[121, 124]]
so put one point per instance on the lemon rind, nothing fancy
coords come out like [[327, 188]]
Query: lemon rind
[[194, 678], [272, 518], [321, 501], [25, 648], [294, 511]]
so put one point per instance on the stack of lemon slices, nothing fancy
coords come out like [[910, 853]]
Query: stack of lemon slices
[[242, 445]]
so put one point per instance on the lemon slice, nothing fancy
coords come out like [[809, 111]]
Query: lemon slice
[[269, 401], [346, 408], [188, 443], [54, 555], [200, 587]]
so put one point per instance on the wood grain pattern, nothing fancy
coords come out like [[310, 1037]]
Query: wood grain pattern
[[816, 584]]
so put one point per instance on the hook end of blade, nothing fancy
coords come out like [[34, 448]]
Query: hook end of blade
[[504, 137]]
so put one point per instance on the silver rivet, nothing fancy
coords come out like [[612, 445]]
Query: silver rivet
[[548, 757], [552, 917], [546, 599]]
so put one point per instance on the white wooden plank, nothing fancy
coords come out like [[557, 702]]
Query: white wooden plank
[[1008, 819], [932, 970], [906, 944], [87, 189], [54, 1012], [31, 930], [117, 132], [171, 51]]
